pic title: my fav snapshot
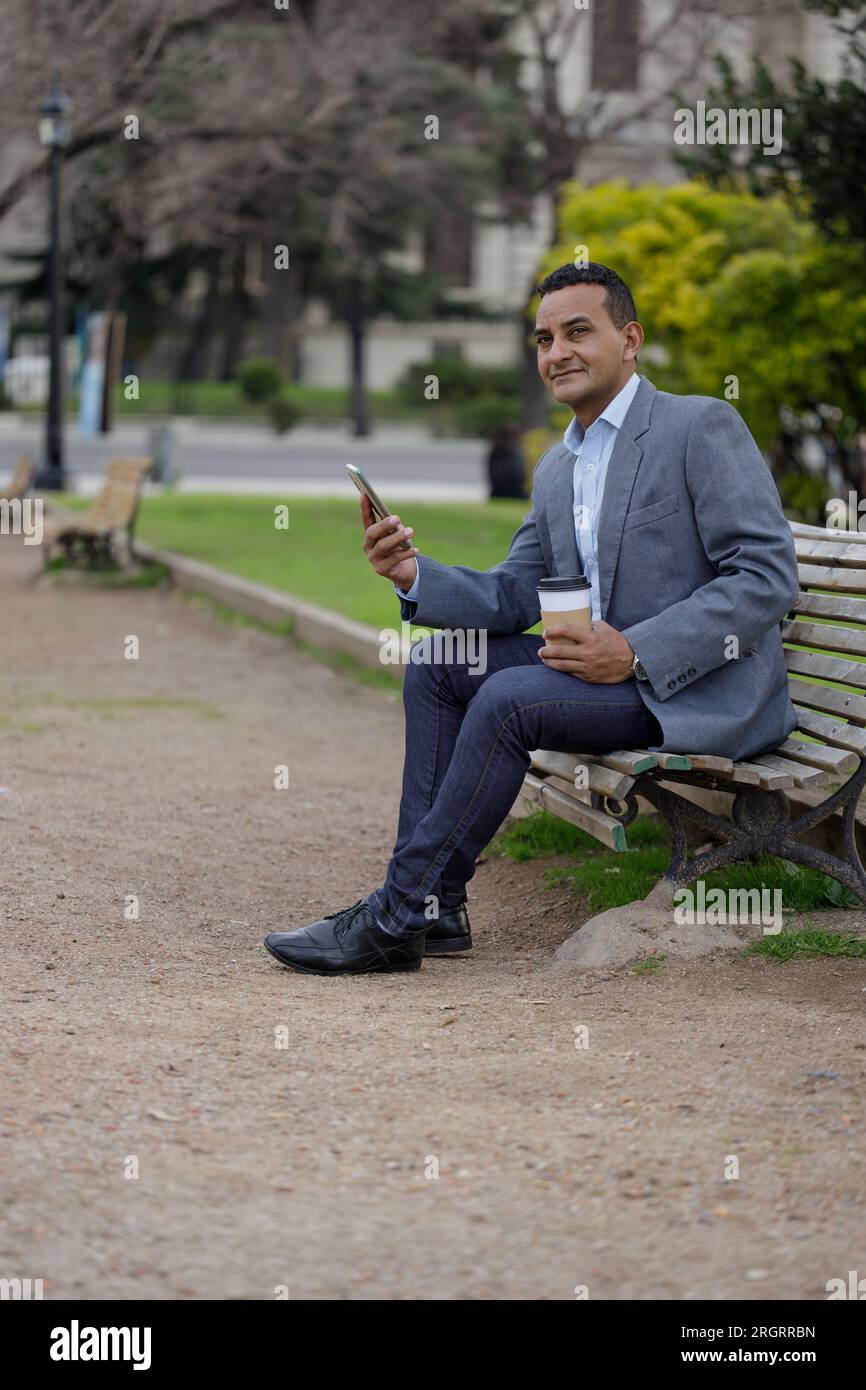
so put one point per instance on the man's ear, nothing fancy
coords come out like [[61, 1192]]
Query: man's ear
[[634, 338]]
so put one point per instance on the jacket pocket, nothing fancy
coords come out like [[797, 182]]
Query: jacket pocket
[[642, 515]]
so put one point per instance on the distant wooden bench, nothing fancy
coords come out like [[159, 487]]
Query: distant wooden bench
[[19, 482], [599, 793], [102, 535]]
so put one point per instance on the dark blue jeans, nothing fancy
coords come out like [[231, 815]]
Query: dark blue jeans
[[468, 739]]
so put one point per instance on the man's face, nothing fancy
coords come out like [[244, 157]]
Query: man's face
[[581, 355]]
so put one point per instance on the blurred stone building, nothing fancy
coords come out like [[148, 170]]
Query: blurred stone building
[[625, 60], [617, 77]]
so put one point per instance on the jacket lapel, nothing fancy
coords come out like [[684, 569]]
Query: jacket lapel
[[621, 473], [563, 540]]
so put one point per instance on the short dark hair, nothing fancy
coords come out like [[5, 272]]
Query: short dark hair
[[619, 303]]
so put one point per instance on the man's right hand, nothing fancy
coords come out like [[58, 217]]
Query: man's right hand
[[383, 549]]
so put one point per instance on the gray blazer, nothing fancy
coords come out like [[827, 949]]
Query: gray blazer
[[693, 550]]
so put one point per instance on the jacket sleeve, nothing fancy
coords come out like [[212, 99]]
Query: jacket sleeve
[[499, 600], [413, 592], [748, 542]]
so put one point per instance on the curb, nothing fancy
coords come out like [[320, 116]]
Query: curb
[[319, 626]]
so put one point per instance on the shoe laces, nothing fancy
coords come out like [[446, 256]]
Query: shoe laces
[[344, 917]]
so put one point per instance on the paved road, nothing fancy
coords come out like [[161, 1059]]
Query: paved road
[[405, 461]]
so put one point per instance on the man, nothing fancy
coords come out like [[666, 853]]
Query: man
[[666, 505]]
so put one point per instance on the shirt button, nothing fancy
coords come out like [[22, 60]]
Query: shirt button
[[672, 685], [680, 678], [692, 671]]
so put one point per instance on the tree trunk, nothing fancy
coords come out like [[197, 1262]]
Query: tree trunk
[[235, 316], [193, 363], [357, 322], [282, 302]]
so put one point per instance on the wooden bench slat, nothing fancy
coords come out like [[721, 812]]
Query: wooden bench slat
[[822, 697], [596, 823], [827, 533], [826, 636], [803, 775], [603, 780], [827, 577], [830, 552], [710, 762], [831, 606], [623, 760], [750, 774], [836, 760], [680, 761], [19, 482], [769, 779], [832, 731], [737, 772], [828, 668]]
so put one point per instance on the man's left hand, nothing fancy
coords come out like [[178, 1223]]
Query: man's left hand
[[600, 654]]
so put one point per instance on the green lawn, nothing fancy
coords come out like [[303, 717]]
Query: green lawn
[[604, 878], [320, 556], [225, 399]]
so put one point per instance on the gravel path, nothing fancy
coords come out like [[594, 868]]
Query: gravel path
[[148, 1046]]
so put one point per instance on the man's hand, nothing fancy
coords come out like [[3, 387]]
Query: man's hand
[[600, 655], [383, 550]]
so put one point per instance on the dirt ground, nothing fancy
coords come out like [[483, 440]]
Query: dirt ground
[[149, 1045]]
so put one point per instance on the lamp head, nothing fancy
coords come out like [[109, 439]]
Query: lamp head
[[55, 126]]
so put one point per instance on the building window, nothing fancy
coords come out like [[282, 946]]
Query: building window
[[615, 38]]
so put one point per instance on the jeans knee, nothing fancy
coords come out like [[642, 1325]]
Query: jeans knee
[[494, 701]]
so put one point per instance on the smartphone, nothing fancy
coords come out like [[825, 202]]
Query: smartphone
[[380, 511]]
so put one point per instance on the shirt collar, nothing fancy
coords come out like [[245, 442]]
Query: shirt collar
[[614, 413]]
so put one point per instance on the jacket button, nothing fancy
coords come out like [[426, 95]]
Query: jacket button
[[692, 671], [672, 685], [681, 679]]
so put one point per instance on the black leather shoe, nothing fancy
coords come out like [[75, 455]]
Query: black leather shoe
[[450, 933], [350, 942]]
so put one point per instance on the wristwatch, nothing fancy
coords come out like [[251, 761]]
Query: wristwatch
[[638, 671]]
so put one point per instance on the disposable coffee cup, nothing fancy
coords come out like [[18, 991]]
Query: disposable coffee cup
[[565, 599]]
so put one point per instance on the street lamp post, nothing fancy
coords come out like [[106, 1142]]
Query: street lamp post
[[54, 132]]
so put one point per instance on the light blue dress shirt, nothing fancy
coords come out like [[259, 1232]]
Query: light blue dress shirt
[[592, 449]]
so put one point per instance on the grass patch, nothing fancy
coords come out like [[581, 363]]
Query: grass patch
[[236, 619], [146, 576], [336, 660], [320, 557], [224, 399], [649, 966], [345, 663], [20, 726], [803, 945], [132, 704], [604, 878], [542, 834]]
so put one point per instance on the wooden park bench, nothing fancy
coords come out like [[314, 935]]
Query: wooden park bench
[[102, 535], [827, 751], [19, 482]]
